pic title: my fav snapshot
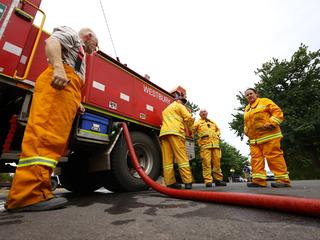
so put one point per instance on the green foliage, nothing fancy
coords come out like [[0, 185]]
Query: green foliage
[[5, 177], [194, 107], [196, 164], [232, 159], [293, 85]]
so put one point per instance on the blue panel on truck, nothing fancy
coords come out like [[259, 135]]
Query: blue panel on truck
[[94, 123]]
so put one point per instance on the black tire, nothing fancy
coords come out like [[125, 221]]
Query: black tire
[[75, 176], [123, 177]]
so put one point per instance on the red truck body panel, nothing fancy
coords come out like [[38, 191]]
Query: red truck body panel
[[121, 91], [14, 35]]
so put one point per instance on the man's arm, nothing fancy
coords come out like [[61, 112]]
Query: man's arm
[[195, 128], [53, 52]]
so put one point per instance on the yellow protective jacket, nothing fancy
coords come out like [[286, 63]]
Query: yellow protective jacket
[[174, 119], [262, 121], [208, 133]]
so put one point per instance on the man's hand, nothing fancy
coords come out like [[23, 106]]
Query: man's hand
[[59, 80], [81, 109]]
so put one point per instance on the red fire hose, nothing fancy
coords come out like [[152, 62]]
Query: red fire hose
[[280, 203]]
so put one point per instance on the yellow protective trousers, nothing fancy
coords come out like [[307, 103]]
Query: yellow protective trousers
[[49, 124], [272, 152], [211, 166], [173, 147]]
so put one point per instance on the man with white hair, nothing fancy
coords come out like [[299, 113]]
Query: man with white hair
[[210, 153], [56, 100]]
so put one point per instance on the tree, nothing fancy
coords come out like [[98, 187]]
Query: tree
[[231, 157], [194, 107], [294, 85]]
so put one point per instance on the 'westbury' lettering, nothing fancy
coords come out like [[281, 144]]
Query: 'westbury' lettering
[[156, 94]]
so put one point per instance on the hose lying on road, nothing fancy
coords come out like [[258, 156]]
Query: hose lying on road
[[281, 203]]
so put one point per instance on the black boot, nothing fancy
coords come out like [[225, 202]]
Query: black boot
[[280, 185], [51, 204], [254, 185], [220, 184], [175, 185]]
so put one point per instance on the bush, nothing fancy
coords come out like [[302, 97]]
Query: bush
[[5, 177]]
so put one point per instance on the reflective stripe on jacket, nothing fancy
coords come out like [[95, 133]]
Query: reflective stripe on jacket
[[259, 114], [174, 118], [208, 133]]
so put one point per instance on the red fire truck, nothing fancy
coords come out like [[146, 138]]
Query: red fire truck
[[97, 154]]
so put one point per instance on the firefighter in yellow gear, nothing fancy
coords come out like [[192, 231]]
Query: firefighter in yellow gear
[[172, 136], [262, 119], [56, 100], [208, 135]]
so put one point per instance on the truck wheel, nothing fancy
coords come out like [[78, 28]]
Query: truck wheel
[[75, 177], [123, 176]]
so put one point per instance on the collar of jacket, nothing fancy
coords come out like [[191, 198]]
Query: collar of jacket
[[205, 120], [254, 104]]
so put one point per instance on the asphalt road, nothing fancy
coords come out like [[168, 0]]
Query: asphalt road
[[151, 215]]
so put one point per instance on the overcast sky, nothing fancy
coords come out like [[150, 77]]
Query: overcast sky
[[209, 47]]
